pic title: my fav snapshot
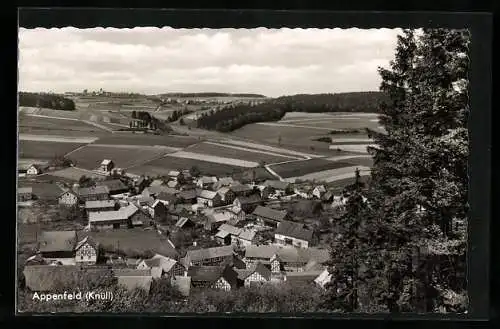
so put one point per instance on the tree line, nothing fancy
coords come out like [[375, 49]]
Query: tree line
[[145, 120], [50, 101], [237, 116], [401, 242], [209, 94], [340, 102]]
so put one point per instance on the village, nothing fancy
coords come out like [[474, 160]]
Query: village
[[210, 232]]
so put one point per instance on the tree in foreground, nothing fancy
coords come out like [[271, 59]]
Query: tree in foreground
[[411, 236]]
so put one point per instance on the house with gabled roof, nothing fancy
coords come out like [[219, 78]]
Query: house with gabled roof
[[188, 196], [206, 182], [154, 191], [217, 277], [115, 186], [240, 190], [37, 169], [265, 254], [248, 204], [185, 222], [161, 266], [93, 193], [100, 205], [227, 234], [256, 275], [128, 216], [106, 165], [68, 198], [157, 209], [215, 220], [87, 251], [226, 194], [277, 187], [319, 191], [208, 198], [58, 246], [293, 234], [223, 182], [209, 256], [268, 216]]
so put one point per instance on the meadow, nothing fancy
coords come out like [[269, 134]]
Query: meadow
[[44, 149], [304, 167], [145, 139], [162, 166], [91, 156], [238, 152]]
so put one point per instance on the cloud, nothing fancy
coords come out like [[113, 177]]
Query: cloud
[[151, 60]]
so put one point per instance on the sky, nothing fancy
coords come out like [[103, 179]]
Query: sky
[[272, 62]]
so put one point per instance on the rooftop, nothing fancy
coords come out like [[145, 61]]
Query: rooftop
[[269, 213], [294, 230], [99, 204]]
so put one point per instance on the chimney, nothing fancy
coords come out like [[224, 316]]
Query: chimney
[[194, 243]]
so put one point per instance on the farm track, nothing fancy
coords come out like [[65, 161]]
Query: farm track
[[258, 146], [252, 150], [53, 138]]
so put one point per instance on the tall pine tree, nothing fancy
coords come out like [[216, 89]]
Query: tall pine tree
[[409, 238]]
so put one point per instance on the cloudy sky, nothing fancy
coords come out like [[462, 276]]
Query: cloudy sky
[[151, 60]]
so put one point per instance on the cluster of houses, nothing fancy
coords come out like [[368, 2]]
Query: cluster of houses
[[257, 243]]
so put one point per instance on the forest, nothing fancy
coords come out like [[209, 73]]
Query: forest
[[50, 101], [236, 116], [340, 102]]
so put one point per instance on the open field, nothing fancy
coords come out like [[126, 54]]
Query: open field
[[145, 139], [56, 138], [44, 150], [301, 168], [332, 175], [269, 148], [69, 175], [231, 151], [360, 161], [357, 148], [292, 138], [216, 160], [50, 126], [43, 190], [90, 156], [163, 165]]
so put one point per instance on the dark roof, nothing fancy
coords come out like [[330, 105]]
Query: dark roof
[[276, 184], [166, 196], [94, 190], [183, 221], [262, 251], [240, 188], [251, 199], [302, 277], [188, 194], [205, 273], [88, 240], [114, 185], [200, 254], [270, 213], [52, 241], [259, 268], [294, 230]]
